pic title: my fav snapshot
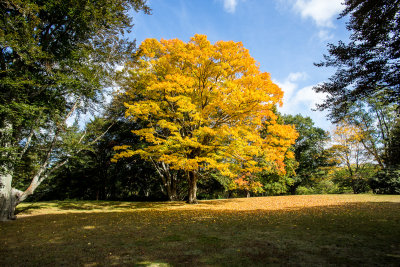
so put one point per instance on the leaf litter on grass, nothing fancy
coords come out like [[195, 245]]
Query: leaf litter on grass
[[295, 230]]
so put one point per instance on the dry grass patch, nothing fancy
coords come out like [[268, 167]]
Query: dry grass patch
[[294, 230]]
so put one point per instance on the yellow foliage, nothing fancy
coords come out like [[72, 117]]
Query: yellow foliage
[[205, 105], [347, 145], [345, 132]]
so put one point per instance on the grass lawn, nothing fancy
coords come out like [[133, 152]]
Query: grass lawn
[[286, 230]]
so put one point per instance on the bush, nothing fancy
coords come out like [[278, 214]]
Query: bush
[[357, 182], [386, 181], [302, 190], [323, 187], [328, 187]]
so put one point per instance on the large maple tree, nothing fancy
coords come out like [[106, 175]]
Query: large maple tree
[[204, 106]]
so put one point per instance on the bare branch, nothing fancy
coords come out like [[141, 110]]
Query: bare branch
[[44, 172], [72, 110], [83, 136], [101, 136], [27, 143]]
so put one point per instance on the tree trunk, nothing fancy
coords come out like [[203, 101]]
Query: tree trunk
[[5, 198], [192, 183], [293, 188], [169, 179], [355, 189], [171, 185], [9, 198], [172, 194]]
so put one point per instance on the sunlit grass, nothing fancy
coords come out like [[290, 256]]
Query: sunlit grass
[[294, 230]]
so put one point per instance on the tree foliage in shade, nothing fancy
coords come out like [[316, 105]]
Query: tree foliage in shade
[[369, 64], [387, 181], [204, 105], [310, 153], [56, 57], [91, 175]]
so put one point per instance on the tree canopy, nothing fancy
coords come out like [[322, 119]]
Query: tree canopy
[[368, 65], [309, 150], [55, 59], [204, 105]]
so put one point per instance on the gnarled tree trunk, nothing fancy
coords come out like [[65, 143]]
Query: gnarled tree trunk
[[9, 198], [5, 198]]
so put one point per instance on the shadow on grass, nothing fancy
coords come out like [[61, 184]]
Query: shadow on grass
[[92, 205], [71, 205], [348, 234], [27, 209], [87, 205], [269, 203]]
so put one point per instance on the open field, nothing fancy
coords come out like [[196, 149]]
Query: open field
[[285, 230]]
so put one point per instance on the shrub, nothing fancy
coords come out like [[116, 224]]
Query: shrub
[[386, 181]]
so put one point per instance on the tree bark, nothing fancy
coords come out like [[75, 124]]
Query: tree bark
[[169, 179], [9, 198], [171, 190], [5, 197], [171, 185], [192, 183]]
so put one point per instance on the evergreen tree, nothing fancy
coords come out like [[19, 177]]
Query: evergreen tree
[[368, 65]]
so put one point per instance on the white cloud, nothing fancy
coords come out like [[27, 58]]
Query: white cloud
[[297, 76], [309, 97], [230, 5], [302, 100], [321, 11], [325, 35], [289, 86]]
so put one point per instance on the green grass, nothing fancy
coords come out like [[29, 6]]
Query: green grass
[[290, 230]]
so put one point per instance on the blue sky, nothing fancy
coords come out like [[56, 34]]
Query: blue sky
[[285, 36]]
